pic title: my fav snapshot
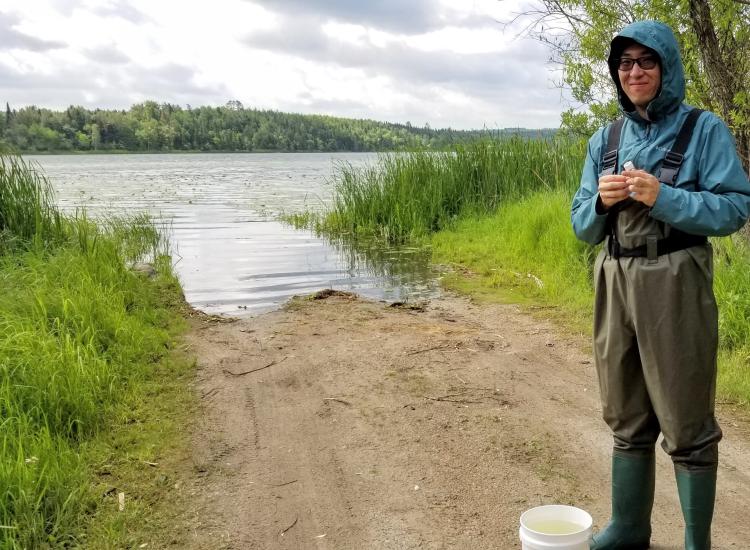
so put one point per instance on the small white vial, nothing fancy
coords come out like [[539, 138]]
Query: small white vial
[[629, 166]]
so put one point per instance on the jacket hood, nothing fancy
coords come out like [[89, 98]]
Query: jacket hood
[[658, 37]]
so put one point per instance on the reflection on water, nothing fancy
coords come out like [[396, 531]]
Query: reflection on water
[[398, 266], [231, 256], [256, 266]]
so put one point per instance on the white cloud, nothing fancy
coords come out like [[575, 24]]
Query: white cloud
[[442, 62]]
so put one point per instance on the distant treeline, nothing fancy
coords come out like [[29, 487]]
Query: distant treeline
[[151, 126]]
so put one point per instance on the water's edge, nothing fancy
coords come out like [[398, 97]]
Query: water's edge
[[232, 255]]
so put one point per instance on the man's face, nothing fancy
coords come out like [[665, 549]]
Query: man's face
[[640, 85]]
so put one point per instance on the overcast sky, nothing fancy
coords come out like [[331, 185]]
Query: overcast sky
[[442, 62]]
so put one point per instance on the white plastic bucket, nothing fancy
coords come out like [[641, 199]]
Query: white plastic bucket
[[557, 527]]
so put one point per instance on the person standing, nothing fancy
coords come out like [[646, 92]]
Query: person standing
[[654, 193]]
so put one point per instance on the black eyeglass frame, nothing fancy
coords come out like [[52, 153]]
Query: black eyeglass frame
[[645, 62]]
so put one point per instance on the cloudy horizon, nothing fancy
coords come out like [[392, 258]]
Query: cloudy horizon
[[439, 62]]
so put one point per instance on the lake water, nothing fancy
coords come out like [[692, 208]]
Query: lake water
[[232, 255]]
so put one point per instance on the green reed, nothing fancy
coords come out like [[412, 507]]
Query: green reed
[[27, 211], [78, 330], [406, 195]]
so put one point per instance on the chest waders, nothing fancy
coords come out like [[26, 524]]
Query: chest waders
[[655, 345]]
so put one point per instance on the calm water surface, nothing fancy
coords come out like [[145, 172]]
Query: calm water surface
[[231, 254]]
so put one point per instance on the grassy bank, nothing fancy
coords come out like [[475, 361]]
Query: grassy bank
[[83, 341], [526, 252], [500, 210]]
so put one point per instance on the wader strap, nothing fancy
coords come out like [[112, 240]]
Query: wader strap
[[670, 167], [609, 160], [609, 167], [652, 249], [677, 240]]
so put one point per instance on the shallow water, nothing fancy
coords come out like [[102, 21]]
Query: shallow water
[[231, 254]]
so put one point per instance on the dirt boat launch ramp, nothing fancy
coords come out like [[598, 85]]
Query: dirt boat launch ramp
[[340, 423]]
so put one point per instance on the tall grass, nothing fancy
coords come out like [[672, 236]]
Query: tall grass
[[27, 211], [414, 194], [732, 288], [77, 330]]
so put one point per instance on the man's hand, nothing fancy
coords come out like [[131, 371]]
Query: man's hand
[[613, 189], [642, 186]]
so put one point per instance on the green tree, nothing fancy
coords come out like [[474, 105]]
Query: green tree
[[42, 138], [263, 138], [4, 123], [18, 135], [77, 117], [714, 37], [96, 136], [82, 140], [148, 134]]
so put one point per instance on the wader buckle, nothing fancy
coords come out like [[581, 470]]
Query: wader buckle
[[609, 163], [670, 167]]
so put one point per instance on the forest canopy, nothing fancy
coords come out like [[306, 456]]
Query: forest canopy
[[163, 127]]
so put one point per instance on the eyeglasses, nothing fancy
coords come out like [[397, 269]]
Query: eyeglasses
[[626, 63]]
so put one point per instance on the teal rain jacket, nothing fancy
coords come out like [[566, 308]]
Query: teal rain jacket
[[711, 195]]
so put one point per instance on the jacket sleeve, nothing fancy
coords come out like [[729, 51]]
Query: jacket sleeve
[[721, 204], [587, 214]]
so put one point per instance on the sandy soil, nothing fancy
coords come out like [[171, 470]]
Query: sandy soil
[[341, 423]]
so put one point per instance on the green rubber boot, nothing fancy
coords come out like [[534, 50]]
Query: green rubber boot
[[697, 490], [633, 478]]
